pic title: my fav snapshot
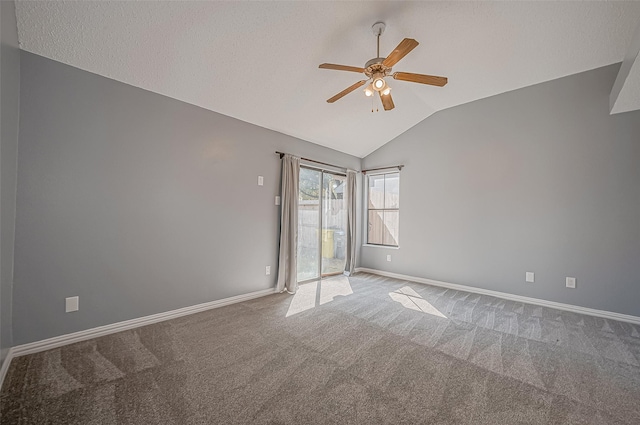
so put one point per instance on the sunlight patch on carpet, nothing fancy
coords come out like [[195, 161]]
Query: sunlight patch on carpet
[[409, 298], [313, 294]]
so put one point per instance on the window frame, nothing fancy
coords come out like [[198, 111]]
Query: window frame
[[368, 208]]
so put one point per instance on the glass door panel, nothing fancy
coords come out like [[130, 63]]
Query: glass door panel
[[334, 223], [309, 224]]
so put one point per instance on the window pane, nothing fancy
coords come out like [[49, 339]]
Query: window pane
[[334, 224], [376, 225], [392, 190], [391, 224], [376, 191], [384, 202], [309, 185], [308, 224]]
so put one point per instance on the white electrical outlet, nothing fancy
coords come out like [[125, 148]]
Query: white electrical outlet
[[529, 277], [571, 282], [277, 200], [260, 181], [71, 304], [267, 270], [389, 257]]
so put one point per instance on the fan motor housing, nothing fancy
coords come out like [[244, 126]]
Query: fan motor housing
[[375, 66]]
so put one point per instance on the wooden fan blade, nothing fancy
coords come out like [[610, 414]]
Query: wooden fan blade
[[405, 46], [420, 78], [341, 67], [347, 91], [387, 101]]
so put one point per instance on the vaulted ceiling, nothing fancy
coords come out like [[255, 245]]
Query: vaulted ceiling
[[258, 61]]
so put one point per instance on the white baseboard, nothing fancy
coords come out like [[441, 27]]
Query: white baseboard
[[536, 301], [58, 341], [5, 365]]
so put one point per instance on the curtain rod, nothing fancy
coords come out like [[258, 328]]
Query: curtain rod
[[314, 161], [399, 167]]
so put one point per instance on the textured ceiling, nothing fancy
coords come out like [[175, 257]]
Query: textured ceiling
[[258, 61]]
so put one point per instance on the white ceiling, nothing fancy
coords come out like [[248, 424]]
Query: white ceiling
[[258, 61]]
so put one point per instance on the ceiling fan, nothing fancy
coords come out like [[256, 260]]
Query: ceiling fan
[[378, 68]]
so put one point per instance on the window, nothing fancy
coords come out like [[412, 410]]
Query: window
[[383, 209]]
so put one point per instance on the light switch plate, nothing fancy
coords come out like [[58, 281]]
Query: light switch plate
[[71, 304], [389, 257], [277, 200], [571, 282], [530, 277], [267, 270], [260, 181]]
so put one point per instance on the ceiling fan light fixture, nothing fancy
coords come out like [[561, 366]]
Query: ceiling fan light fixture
[[379, 83], [386, 91], [369, 91]]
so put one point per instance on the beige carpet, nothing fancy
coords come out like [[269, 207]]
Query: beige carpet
[[364, 350]]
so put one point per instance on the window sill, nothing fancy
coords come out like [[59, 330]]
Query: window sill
[[380, 246]]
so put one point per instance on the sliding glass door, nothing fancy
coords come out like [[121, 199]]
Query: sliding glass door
[[322, 218]]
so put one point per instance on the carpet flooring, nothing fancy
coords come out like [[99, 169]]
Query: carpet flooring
[[359, 350]]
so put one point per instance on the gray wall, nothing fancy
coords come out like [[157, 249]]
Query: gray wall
[[540, 179], [9, 109], [136, 202]]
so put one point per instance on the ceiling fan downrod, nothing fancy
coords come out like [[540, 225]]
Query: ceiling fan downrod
[[378, 30]]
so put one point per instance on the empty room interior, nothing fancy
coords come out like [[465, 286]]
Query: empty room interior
[[332, 212]]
